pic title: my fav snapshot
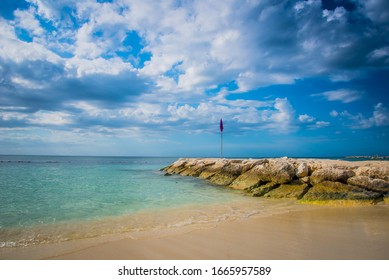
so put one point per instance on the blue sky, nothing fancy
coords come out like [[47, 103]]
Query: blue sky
[[289, 78]]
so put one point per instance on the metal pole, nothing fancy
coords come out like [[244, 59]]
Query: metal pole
[[221, 144]]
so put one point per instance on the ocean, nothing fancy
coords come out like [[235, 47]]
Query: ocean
[[45, 199]]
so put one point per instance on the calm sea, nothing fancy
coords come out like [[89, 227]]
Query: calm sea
[[53, 198]]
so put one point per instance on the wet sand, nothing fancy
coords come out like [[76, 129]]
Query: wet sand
[[311, 233]]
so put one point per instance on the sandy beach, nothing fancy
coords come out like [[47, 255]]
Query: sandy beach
[[310, 232]]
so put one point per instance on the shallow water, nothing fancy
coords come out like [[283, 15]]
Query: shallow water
[[52, 199]]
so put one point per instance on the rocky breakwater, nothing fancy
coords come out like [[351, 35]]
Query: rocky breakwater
[[315, 181]]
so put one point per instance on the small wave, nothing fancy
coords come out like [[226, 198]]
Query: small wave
[[157, 223], [7, 244]]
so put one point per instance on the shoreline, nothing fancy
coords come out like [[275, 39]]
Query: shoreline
[[301, 232]]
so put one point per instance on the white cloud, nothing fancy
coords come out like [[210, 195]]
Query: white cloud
[[26, 20], [12, 49], [320, 124], [380, 117], [214, 42], [337, 14], [281, 118], [306, 118], [40, 118], [12, 116], [334, 113], [26, 83], [342, 95], [207, 44], [278, 117], [144, 112], [50, 118], [248, 80], [85, 67], [379, 54]]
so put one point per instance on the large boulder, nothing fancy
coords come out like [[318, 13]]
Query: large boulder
[[249, 179], [226, 174], [302, 170], [295, 189], [365, 182], [332, 191], [212, 168], [278, 171], [330, 174], [249, 164], [263, 189], [374, 172], [177, 167]]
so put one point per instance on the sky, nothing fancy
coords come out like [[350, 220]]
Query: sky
[[153, 78]]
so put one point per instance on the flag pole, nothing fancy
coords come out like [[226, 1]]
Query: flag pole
[[221, 138], [221, 144]]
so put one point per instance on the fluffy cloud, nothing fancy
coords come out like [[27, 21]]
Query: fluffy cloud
[[26, 20], [334, 113], [50, 118], [306, 118], [380, 117], [212, 43], [132, 64], [216, 43], [278, 116], [319, 124]]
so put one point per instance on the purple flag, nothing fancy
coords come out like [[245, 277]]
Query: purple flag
[[221, 125]]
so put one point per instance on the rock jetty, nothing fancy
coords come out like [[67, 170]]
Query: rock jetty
[[315, 181]]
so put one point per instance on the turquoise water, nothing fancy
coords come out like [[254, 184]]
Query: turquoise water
[[41, 194]]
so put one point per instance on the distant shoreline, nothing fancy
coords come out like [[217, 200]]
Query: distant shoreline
[[369, 157]]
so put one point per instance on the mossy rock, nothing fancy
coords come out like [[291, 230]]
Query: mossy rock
[[295, 190], [386, 199], [263, 189], [328, 190], [206, 174], [222, 178], [249, 179], [227, 174], [194, 170]]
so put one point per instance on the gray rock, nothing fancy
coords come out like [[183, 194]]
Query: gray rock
[[280, 172], [302, 170], [374, 172], [365, 182], [330, 174]]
